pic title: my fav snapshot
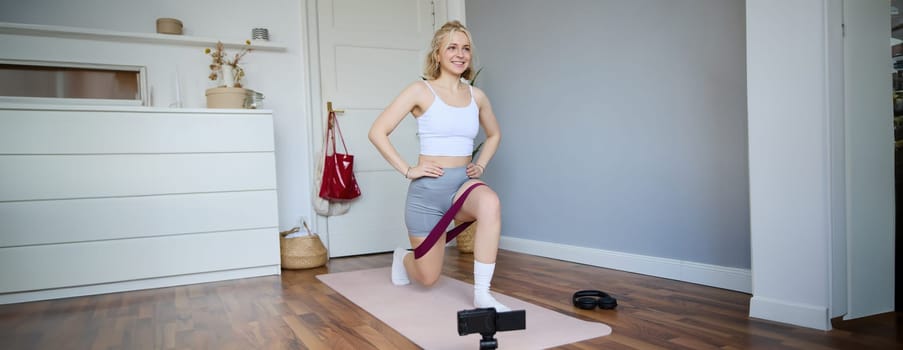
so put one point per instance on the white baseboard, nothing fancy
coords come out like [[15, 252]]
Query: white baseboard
[[797, 314], [124, 286], [705, 274]]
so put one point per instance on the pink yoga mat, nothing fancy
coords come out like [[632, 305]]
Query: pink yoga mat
[[428, 316]]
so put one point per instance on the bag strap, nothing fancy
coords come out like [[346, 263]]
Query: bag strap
[[329, 135], [446, 219], [335, 122]]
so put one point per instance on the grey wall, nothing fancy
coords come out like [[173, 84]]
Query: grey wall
[[623, 122]]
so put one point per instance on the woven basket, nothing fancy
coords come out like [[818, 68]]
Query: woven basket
[[303, 252], [465, 238]]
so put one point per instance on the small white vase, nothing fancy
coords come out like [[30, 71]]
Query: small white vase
[[228, 74]]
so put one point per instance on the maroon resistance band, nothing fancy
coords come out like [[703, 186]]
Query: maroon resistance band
[[446, 219]]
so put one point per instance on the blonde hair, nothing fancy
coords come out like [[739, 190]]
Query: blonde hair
[[440, 40]]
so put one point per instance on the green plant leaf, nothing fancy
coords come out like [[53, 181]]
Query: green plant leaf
[[473, 82], [476, 150]]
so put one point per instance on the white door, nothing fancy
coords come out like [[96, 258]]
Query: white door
[[870, 158], [369, 51]]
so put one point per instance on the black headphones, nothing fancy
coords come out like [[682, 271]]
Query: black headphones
[[589, 299]]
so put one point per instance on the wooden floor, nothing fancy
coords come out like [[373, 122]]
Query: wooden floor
[[296, 311]]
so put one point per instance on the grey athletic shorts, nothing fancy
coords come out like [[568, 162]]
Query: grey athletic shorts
[[429, 198]]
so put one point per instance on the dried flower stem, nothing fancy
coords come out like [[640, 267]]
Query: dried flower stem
[[220, 61]]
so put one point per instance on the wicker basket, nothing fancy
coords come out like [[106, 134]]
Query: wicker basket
[[465, 238], [303, 252]]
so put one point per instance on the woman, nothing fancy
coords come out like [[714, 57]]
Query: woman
[[449, 113]]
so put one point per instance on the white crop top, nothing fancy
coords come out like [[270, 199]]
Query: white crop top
[[448, 130]]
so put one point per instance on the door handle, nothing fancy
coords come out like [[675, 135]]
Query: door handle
[[330, 110]]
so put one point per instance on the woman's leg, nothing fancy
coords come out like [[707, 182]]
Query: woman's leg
[[483, 206], [428, 268], [426, 202]]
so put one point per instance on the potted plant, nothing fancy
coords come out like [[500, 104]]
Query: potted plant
[[228, 73]]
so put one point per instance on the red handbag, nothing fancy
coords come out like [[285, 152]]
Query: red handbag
[[338, 182]]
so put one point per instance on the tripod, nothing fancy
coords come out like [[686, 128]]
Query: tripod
[[488, 342]]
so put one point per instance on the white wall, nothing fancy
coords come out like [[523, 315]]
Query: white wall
[[821, 176], [870, 174], [278, 75], [788, 160]]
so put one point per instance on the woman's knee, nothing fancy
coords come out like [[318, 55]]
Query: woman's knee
[[494, 203], [490, 206], [429, 266], [429, 278], [430, 281]]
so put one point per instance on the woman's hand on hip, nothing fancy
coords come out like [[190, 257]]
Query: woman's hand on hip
[[427, 169], [474, 171]]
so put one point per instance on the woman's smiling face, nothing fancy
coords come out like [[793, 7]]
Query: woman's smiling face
[[455, 57]]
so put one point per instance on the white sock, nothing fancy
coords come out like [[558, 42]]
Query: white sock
[[399, 274], [482, 275]]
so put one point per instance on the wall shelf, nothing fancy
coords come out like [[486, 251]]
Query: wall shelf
[[109, 35]]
